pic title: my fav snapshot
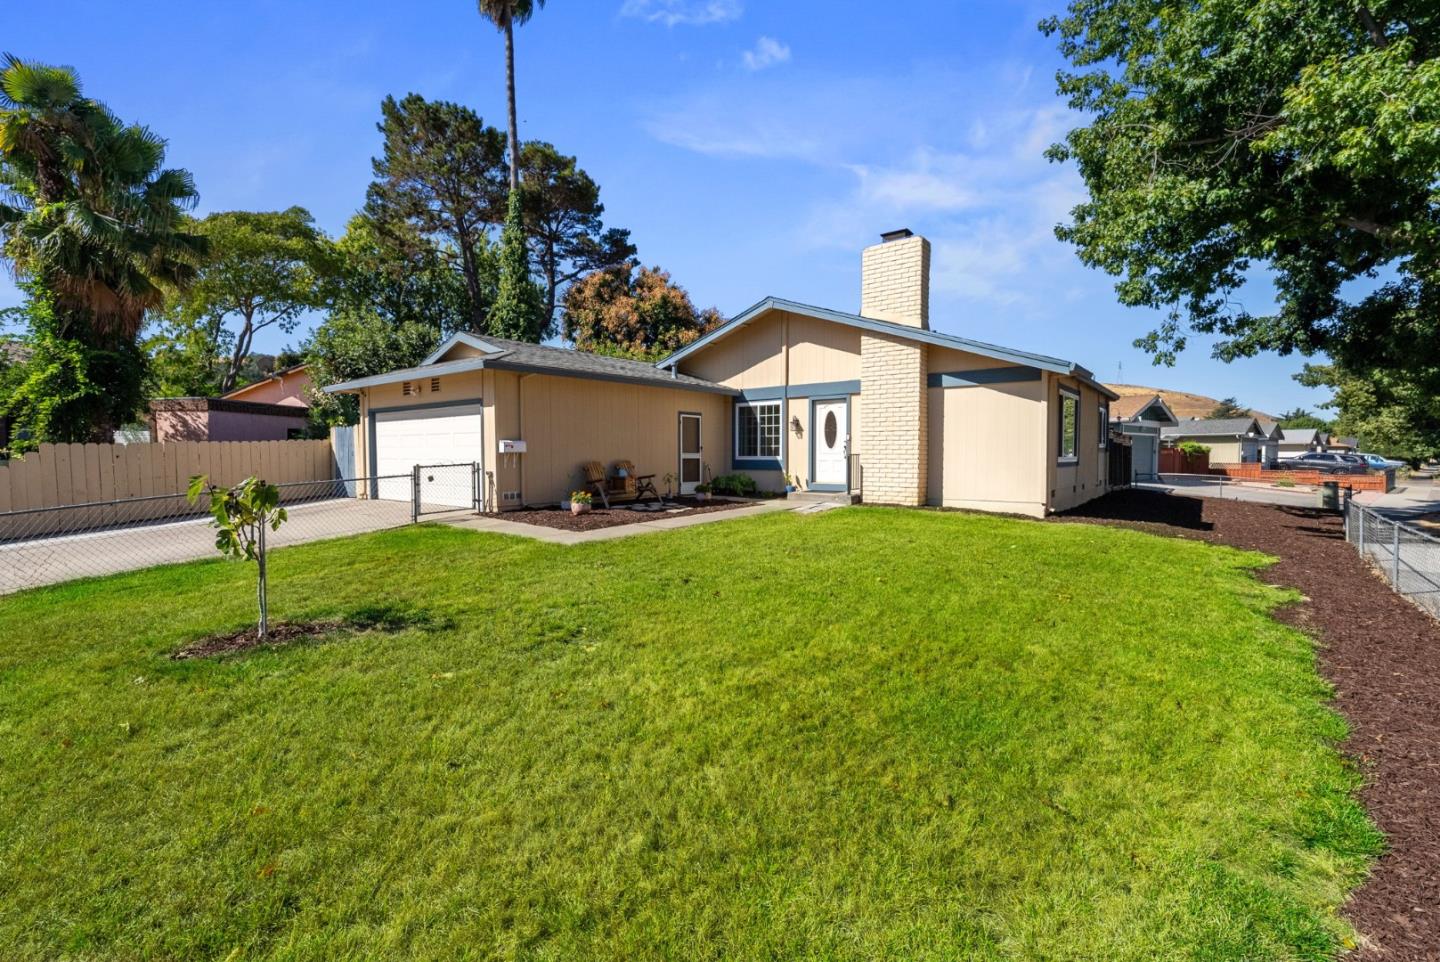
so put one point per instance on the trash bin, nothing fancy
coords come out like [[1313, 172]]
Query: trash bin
[[1328, 496]]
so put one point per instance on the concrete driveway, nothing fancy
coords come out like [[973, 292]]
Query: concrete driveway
[[44, 561]]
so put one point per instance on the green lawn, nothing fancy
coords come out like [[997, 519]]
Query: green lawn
[[862, 734]]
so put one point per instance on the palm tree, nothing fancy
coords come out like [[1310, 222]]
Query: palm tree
[[505, 14], [87, 208]]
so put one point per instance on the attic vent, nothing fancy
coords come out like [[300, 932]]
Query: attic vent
[[409, 388], [434, 385]]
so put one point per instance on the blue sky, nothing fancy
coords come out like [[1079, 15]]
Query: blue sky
[[752, 146]]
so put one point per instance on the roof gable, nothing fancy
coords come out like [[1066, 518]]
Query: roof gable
[[1214, 427], [994, 351]]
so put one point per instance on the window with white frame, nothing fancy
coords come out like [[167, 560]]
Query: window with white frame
[[1069, 425], [1104, 424], [757, 429]]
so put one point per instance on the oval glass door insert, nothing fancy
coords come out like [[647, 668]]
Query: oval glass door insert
[[831, 429]]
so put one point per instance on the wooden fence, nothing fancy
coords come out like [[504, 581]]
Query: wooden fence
[[61, 474]]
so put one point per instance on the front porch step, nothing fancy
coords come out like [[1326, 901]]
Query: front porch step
[[822, 497]]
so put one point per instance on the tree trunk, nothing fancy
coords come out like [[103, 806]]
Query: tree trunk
[[552, 268], [510, 97], [260, 586], [243, 340]]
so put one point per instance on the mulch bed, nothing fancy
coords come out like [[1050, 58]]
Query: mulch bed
[[615, 515], [1382, 655], [283, 634]]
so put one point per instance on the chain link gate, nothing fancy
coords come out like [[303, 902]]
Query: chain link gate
[[444, 488]]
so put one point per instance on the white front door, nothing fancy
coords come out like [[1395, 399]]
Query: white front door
[[691, 453], [441, 435], [830, 428]]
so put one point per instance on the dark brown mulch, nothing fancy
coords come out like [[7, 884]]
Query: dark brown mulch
[[283, 634], [1383, 656], [602, 517]]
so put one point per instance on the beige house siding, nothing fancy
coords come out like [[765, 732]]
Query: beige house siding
[[1072, 484], [986, 447], [565, 422]]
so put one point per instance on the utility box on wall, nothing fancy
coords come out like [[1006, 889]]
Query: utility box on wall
[[512, 447]]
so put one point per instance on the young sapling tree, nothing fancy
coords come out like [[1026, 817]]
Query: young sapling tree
[[241, 516]]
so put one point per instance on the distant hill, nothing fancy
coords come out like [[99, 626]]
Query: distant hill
[[1184, 404]]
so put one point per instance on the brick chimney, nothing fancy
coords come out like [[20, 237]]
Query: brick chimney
[[895, 279]]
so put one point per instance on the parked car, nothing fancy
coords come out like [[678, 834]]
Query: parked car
[[1380, 463], [1327, 462]]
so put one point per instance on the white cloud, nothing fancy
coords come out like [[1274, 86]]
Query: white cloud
[[767, 52], [688, 12]]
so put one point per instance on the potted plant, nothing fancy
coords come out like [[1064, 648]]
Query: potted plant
[[792, 484], [702, 492], [580, 501], [669, 480]]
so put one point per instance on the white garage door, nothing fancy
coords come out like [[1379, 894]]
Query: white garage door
[[445, 435]]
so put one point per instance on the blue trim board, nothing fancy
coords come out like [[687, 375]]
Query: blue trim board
[[830, 388], [756, 464], [984, 376]]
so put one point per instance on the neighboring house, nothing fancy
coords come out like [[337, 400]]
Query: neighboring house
[[1270, 446], [1137, 408], [1295, 441], [1142, 419], [1230, 440], [274, 408], [1342, 445], [873, 402]]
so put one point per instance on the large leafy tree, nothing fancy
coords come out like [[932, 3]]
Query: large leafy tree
[[506, 15], [355, 344], [1303, 418], [93, 225], [1297, 137], [563, 217], [264, 270], [407, 281], [633, 311], [1391, 412], [440, 185]]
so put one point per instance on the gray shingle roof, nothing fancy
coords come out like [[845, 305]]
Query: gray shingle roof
[[1298, 435], [1218, 427], [543, 359]]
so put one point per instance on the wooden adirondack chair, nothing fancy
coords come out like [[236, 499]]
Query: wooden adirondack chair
[[595, 479]]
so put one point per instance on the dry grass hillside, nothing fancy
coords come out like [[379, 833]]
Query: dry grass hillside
[[1184, 404]]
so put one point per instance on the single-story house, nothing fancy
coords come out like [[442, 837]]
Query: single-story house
[[1342, 445], [1295, 441], [1137, 408], [1230, 440], [1142, 419], [874, 403], [1270, 446], [274, 408]]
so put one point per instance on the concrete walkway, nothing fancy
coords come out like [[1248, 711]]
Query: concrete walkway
[[1198, 487], [559, 536], [1410, 500]]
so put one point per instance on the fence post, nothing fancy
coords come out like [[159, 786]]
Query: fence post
[[475, 486], [414, 494], [1395, 544], [1361, 519]]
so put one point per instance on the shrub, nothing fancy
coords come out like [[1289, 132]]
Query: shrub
[[1284, 483], [1193, 449], [739, 485], [581, 497]]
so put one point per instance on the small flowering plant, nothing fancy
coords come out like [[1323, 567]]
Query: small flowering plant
[[581, 497]]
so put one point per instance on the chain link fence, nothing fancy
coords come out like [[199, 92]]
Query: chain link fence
[[444, 488], [1408, 557], [50, 545]]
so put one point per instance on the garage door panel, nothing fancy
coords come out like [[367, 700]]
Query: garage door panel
[[452, 434]]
